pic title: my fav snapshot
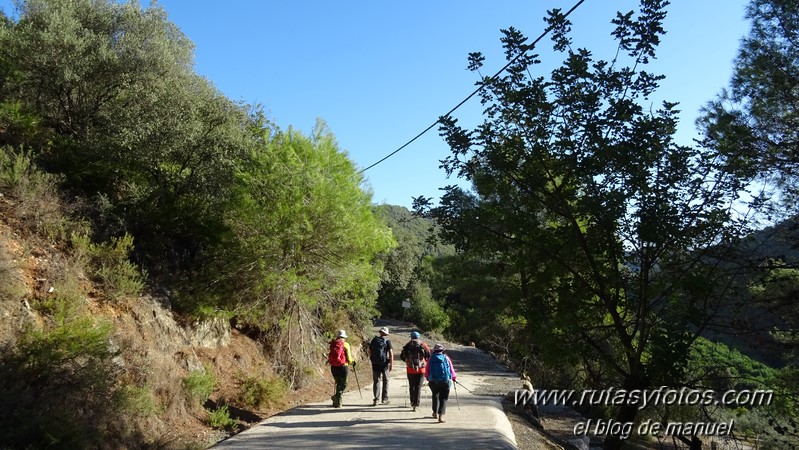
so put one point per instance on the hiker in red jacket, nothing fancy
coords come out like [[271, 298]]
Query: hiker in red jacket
[[340, 357], [415, 353]]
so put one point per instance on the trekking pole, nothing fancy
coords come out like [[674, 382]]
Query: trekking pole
[[457, 382], [356, 380], [458, 402]]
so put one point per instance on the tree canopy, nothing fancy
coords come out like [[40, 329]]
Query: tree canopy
[[612, 230], [754, 123]]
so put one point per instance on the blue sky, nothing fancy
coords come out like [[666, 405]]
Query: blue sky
[[381, 72]]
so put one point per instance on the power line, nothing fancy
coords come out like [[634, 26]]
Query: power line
[[480, 88]]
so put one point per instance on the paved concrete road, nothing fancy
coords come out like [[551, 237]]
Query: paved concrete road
[[473, 421]]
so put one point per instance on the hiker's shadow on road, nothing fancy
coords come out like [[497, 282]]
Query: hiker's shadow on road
[[341, 423], [314, 410], [304, 410]]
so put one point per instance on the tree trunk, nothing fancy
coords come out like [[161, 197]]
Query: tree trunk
[[694, 443], [626, 414]]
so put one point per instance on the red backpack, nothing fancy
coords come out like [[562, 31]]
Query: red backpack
[[337, 356], [415, 355]]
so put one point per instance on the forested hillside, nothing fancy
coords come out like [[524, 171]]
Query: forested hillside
[[410, 274]]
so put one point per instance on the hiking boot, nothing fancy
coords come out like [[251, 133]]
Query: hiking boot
[[385, 402], [435, 416], [414, 409], [374, 402], [441, 419]]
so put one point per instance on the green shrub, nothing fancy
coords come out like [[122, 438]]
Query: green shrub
[[199, 385], [14, 167], [430, 315], [55, 385], [137, 401], [110, 266], [262, 392], [20, 126], [220, 417], [38, 202]]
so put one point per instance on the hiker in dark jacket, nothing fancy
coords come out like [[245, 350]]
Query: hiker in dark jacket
[[440, 373], [381, 354], [415, 353]]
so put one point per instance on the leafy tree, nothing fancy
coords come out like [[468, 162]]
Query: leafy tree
[[480, 297], [407, 274], [72, 60], [409, 232], [755, 122], [614, 231], [425, 310], [5, 25], [236, 218], [132, 125], [303, 242]]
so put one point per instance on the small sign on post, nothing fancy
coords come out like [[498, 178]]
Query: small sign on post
[[406, 305]]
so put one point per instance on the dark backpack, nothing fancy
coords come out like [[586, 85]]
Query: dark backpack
[[337, 356], [379, 350], [439, 368], [415, 354]]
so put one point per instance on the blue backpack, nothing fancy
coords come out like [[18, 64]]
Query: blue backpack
[[439, 368]]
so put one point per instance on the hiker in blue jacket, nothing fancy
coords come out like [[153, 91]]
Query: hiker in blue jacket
[[440, 373]]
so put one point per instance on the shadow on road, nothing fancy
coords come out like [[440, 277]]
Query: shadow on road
[[425, 438], [343, 423]]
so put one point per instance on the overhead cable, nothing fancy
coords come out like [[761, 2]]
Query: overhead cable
[[476, 91]]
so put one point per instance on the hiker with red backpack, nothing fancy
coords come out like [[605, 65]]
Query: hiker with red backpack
[[415, 353], [381, 354], [440, 374], [340, 357]]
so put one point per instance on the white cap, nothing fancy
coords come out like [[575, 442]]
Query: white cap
[[342, 334]]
